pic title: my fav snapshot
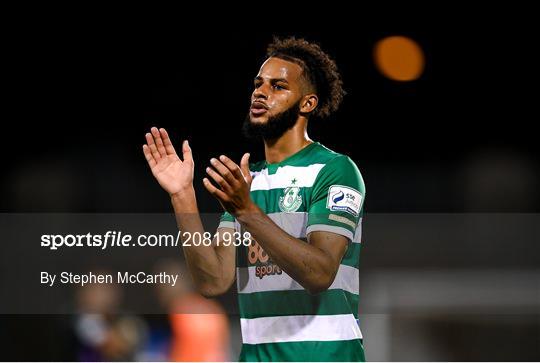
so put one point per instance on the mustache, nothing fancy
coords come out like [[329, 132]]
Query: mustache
[[259, 104]]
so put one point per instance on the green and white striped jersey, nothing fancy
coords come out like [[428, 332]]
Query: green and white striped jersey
[[315, 189]]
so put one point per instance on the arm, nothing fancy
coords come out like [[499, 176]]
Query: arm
[[313, 264], [211, 267]]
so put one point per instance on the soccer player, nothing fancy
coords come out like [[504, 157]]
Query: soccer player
[[298, 279]]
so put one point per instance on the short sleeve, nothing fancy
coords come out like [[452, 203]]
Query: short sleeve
[[226, 221], [337, 198]]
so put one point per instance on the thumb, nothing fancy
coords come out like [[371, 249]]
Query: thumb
[[244, 166], [186, 151]]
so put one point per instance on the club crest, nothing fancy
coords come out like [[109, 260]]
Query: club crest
[[291, 199]]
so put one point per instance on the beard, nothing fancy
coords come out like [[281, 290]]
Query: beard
[[274, 127]]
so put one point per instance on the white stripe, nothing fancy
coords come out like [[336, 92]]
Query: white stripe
[[347, 279], [226, 224], [305, 177], [292, 223], [358, 232], [298, 328], [295, 225], [357, 238]]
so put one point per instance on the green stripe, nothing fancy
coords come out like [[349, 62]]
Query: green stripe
[[351, 257], [332, 351], [226, 217], [257, 166], [297, 302]]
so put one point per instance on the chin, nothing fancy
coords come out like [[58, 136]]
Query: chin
[[258, 119]]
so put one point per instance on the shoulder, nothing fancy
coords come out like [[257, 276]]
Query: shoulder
[[335, 161], [339, 168], [323, 155]]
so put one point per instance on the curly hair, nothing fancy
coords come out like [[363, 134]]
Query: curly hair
[[318, 69]]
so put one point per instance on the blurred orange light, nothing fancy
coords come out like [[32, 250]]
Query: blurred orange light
[[399, 58]]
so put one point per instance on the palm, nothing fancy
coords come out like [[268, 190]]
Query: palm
[[171, 173]]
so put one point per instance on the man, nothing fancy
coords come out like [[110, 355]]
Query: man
[[298, 280]]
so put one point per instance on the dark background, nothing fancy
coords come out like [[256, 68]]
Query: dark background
[[82, 93], [82, 90]]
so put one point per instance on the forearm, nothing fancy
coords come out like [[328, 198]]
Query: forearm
[[203, 262], [310, 266]]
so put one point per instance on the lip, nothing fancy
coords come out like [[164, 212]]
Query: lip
[[258, 108], [258, 111]]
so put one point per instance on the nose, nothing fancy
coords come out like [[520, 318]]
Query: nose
[[260, 93]]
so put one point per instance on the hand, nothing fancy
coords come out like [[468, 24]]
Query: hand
[[173, 174], [234, 184]]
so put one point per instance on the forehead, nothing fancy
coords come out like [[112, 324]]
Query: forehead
[[274, 68]]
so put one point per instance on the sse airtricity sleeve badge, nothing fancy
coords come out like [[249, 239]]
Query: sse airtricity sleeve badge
[[344, 199]]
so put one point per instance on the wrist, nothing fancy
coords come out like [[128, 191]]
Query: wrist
[[184, 200], [183, 193], [244, 215]]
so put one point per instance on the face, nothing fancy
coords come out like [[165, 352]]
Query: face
[[278, 86], [277, 100]]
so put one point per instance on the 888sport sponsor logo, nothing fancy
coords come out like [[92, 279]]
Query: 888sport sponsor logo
[[263, 264]]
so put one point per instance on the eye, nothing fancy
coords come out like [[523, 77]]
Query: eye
[[279, 87]]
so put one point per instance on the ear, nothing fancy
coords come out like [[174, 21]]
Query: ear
[[309, 103]]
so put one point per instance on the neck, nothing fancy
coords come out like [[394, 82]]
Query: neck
[[289, 143]]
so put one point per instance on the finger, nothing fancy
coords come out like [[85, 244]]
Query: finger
[[159, 142], [215, 191], [244, 166], [169, 148], [232, 166], [186, 152], [148, 155], [224, 171], [152, 146], [219, 180]]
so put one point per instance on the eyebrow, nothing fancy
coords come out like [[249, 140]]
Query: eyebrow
[[259, 78]]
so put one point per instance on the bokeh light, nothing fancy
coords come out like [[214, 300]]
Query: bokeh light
[[399, 58]]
